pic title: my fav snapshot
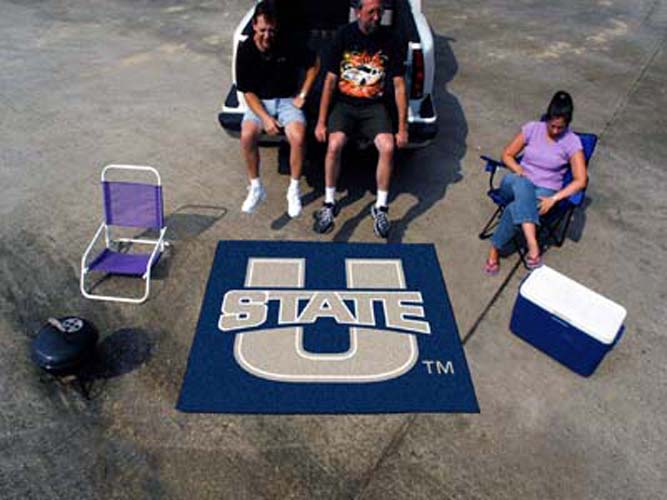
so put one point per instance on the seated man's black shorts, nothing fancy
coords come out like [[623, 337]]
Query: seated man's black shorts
[[367, 120]]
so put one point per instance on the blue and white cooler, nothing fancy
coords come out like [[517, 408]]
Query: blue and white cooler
[[569, 322]]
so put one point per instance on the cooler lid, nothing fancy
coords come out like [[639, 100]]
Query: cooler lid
[[572, 302]]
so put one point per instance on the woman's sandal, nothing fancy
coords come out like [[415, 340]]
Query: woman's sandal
[[534, 262], [491, 268]]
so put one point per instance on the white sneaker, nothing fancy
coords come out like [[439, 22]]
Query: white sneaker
[[293, 202], [256, 195]]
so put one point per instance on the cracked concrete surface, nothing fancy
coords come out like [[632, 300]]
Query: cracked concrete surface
[[83, 84]]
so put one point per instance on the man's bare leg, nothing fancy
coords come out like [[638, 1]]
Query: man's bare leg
[[324, 218], [385, 146], [250, 131], [337, 141], [296, 136]]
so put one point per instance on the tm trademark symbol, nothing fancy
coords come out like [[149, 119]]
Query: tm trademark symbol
[[437, 367]]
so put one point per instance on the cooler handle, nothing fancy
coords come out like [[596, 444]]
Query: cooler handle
[[559, 320]]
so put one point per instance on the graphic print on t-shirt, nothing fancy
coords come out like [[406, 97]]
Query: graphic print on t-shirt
[[362, 75]]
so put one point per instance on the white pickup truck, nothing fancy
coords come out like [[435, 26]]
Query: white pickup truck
[[318, 22]]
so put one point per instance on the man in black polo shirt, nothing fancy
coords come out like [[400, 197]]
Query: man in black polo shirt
[[364, 58], [267, 72]]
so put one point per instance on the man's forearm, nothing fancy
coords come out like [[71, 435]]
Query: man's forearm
[[311, 75], [401, 103], [325, 101], [255, 105]]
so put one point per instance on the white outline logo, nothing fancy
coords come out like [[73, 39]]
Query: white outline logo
[[278, 354]]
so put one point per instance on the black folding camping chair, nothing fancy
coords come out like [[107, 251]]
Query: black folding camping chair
[[555, 223]]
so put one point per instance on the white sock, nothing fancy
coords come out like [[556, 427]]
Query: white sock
[[329, 195], [255, 183], [293, 184], [382, 199]]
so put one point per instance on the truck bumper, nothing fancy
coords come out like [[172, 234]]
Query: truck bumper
[[421, 130]]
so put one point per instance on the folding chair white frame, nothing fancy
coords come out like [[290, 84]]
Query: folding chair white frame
[[158, 244]]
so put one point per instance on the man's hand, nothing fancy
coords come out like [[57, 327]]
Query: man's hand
[[271, 125], [299, 101], [321, 132], [401, 138], [546, 204]]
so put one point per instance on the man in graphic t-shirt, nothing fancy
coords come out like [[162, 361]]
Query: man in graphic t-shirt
[[364, 59], [267, 72]]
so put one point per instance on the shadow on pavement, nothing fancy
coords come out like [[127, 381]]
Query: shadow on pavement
[[429, 173], [189, 221], [576, 229], [120, 353]]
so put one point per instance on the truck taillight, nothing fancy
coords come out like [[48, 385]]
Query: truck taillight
[[417, 76]]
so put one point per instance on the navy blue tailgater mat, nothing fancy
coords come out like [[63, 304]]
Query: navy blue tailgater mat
[[299, 327]]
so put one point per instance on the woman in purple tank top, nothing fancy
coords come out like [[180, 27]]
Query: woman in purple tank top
[[535, 184]]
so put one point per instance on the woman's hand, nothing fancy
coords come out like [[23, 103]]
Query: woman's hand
[[546, 204]]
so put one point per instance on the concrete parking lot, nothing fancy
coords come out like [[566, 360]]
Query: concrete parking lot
[[87, 83]]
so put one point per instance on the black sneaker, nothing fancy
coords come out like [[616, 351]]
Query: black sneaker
[[324, 218], [381, 224]]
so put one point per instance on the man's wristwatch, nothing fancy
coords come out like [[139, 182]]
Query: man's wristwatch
[[302, 95]]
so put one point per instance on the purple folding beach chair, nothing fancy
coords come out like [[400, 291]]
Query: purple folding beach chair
[[127, 205]]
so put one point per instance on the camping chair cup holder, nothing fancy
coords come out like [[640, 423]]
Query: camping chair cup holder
[[555, 223], [128, 205]]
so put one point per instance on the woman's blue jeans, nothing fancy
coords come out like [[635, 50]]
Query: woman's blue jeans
[[523, 207]]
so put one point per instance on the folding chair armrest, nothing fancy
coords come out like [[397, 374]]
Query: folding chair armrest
[[491, 164], [159, 244], [90, 245], [491, 167]]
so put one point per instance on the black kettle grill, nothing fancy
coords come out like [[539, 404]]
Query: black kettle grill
[[64, 345]]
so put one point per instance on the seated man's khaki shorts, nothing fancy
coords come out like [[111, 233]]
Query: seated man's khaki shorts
[[367, 120]]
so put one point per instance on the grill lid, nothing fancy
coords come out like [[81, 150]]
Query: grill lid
[[63, 344]]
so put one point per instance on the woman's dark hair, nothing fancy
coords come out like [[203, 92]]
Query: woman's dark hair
[[266, 9], [561, 106]]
